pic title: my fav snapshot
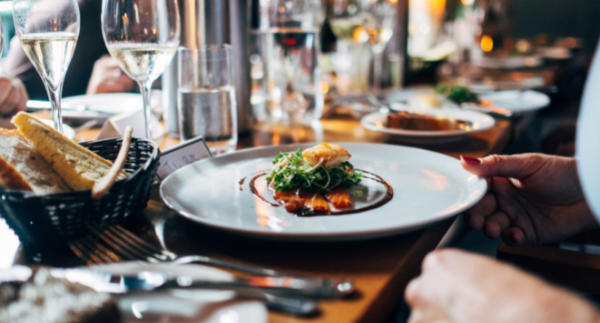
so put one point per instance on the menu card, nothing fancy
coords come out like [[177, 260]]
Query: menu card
[[181, 155]]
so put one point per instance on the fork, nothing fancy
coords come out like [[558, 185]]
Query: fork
[[120, 245]]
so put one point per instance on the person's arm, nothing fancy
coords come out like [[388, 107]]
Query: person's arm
[[457, 287], [107, 77], [531, 199], [13, 96]]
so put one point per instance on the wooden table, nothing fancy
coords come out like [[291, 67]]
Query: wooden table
[[380, 268]]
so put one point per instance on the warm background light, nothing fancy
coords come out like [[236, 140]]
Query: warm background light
[[487, 43]]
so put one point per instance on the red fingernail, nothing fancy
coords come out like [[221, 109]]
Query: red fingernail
[[471, 160]]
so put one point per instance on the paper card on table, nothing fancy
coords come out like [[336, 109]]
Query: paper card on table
[[114, 127], [181, 155]]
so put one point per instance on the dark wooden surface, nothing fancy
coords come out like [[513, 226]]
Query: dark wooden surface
[[381, 268]]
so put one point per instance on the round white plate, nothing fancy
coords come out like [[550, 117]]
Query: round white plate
[[428, 187], [481, 122], [113, 103], [518, 101]]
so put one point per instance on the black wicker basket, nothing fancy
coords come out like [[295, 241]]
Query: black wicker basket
[[52, 220]]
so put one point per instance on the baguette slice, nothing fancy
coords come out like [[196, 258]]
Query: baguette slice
[[10, 178], [23, 168], [78, 167]]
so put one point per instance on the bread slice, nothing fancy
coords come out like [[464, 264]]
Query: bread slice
[[23, 168], [11, 179], [78, 167]]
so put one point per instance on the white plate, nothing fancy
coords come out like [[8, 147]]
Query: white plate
[[113, 103], [518, 101], [428, 187], [515, 101], [481, 122], [197, 306]]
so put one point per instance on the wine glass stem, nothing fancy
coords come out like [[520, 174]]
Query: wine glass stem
[[146, 88], [55, 96]]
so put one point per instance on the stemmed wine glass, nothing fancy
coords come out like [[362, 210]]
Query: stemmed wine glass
[[48, 30], [143, 36]]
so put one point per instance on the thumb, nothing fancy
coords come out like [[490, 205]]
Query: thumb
[[517, 166]]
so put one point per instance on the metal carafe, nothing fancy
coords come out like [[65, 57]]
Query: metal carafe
[[207, 22]]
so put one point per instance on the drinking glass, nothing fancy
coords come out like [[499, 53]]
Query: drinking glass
[[377, 29], [291, 50], [48, 30], [207, 102], [143, 36], [346, 19]]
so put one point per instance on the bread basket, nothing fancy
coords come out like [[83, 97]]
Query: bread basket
[[52, 220]]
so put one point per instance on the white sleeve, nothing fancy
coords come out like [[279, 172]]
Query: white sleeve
[[588, 138]]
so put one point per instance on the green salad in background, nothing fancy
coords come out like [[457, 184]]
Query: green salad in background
[[458, 94]]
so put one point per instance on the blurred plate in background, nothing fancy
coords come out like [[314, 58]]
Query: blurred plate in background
[[480, 122]]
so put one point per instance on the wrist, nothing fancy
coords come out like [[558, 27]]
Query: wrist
[[568, 307]]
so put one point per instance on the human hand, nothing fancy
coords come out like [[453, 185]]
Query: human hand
[[531, 199], [107, 77], [458, 287], [13, 96]]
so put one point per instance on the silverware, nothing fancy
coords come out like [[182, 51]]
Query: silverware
[[150, 281], [116, 244]]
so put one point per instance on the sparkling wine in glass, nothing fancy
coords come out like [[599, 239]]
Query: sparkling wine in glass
[[48, 30], [143, 36]]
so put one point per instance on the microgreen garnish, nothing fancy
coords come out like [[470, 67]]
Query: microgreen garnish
[[292, 172]]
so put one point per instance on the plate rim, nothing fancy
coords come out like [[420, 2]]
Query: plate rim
[[423, 134], [324, 236], [537, 107]]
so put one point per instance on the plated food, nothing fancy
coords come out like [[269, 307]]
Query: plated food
[[318, 179], [429, 126], [39, 159], [419, 122], [427, 187]]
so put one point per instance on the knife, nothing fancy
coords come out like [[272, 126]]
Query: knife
[[149, 281], [154, 281]]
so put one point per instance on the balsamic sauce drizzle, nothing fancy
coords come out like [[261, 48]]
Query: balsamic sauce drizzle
[[372, 176]]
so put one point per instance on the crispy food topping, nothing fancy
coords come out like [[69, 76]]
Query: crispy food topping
[[328, 155]]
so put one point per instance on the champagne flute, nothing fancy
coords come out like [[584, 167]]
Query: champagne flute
[[48, 30], [143, 36]]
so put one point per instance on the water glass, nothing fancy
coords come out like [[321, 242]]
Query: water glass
[[206, 99]]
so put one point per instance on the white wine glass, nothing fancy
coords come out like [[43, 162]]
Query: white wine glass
[[48, 30], [143, 36]]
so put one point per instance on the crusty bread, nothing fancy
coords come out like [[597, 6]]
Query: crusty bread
[[11, 179], [78, 167], [23, 168]]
